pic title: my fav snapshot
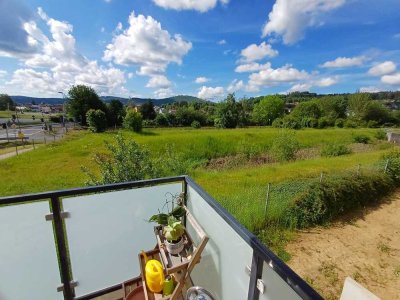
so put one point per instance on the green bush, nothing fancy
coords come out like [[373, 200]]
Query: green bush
[[351, 123], [339, 123], [126, 161], [285, 146], [196, 124], [361, 138], [372, 124], [161, 120], [380, 135], [96, 120], [334, 149], [392, 160], [323, 202], [56, 119], [277, 123], [324, 122], [133, 121], [149, 123]]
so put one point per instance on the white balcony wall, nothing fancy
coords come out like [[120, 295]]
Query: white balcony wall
[[107, 231], [222, 269], [28, 264]]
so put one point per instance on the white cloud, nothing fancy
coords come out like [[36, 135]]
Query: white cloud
[[391, 79], [235, 85], [199, 5], [307, 86], [102, 29], [370, 89], [290, 19], [221, 42], [3, 73], [130, 75], [252, 67], [253, 52], [147, 45], [211, 92], [344, 62], [381, 69], [159, 82], [202, 80], [60, 64], [271, 77], [163, 93], [327, 81], [300, 87]]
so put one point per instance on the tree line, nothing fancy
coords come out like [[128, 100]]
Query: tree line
[[295, 110]]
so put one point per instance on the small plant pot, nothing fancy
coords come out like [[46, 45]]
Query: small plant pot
[[174, 247]]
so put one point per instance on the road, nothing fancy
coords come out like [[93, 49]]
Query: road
[[32, 132]]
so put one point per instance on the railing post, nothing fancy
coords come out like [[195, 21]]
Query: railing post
[[185, 188], [255, 274], [62, 249]]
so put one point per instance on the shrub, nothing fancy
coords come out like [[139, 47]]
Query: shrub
[[324, 122], [334, 149], [351, 123], [161, 120], [126, 161], [196, 124], [96, 119], [322, 202], [380, 135], [133, 121], [339, 123], [392, 159], [291, 122], [372, 124], [361, 138], [277, 123], [56, 119], [285, 146], [149, 123]]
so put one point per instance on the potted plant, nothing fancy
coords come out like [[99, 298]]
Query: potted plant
[[173, 233], [177, 211]]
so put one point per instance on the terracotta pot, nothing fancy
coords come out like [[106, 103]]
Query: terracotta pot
[[174, 247]]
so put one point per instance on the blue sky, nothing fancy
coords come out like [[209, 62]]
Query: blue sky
[[205, 48]]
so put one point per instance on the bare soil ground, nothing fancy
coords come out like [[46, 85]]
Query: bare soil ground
[[364, 246]]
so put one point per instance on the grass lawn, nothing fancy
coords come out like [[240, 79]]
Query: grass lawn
[[57, 165]]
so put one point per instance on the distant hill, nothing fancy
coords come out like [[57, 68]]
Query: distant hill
[[36, 100]]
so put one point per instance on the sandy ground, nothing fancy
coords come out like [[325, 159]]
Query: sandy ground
[[364, 246]]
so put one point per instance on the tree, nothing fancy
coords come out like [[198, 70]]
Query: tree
[[358, 105], [96, 120], [268, 109], [6, 102], [309, 109], [81, 98], [227, 113], [377, 112], [115, 112], [133, 121], [147, 111], [333, 107]]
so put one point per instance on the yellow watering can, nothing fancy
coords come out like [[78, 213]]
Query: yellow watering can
[[154, 274]]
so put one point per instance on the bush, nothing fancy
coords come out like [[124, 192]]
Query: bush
[[324, 122], [149, 123], [96, 120], [196, 124], [361, 138], [277, 123], [133, 121], [333, 149], [392, 159], [351, 123], [339, 123], [161, 120], [285, 146], [291, 122], [126, 161], [380, 135], [372, 124], [322, 202], [56, 119]]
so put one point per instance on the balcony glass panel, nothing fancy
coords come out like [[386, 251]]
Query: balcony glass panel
[[223, 263], [28, 264], [107, 231], [275, 287]]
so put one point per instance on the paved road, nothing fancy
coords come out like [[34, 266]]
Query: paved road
[[33, 132]]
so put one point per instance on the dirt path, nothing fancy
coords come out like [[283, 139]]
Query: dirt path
[[11, 154], [365, 247]]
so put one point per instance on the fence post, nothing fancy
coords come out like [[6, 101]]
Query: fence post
[[16, 147], [44, 138], [267, 199], [54, 137], [321, 177], [33, 144], [387, 165], [358, 169]]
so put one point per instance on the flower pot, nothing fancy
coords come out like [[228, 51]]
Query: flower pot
[[174, 247]]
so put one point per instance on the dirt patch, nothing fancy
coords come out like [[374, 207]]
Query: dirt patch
[[240, 160], [364, 246]]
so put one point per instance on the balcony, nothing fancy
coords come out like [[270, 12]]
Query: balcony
[[84, 243]]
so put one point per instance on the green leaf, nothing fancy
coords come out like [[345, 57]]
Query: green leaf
[[178, 212], [161, 219]]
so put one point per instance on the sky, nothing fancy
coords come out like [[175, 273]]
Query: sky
[[203, 48]]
